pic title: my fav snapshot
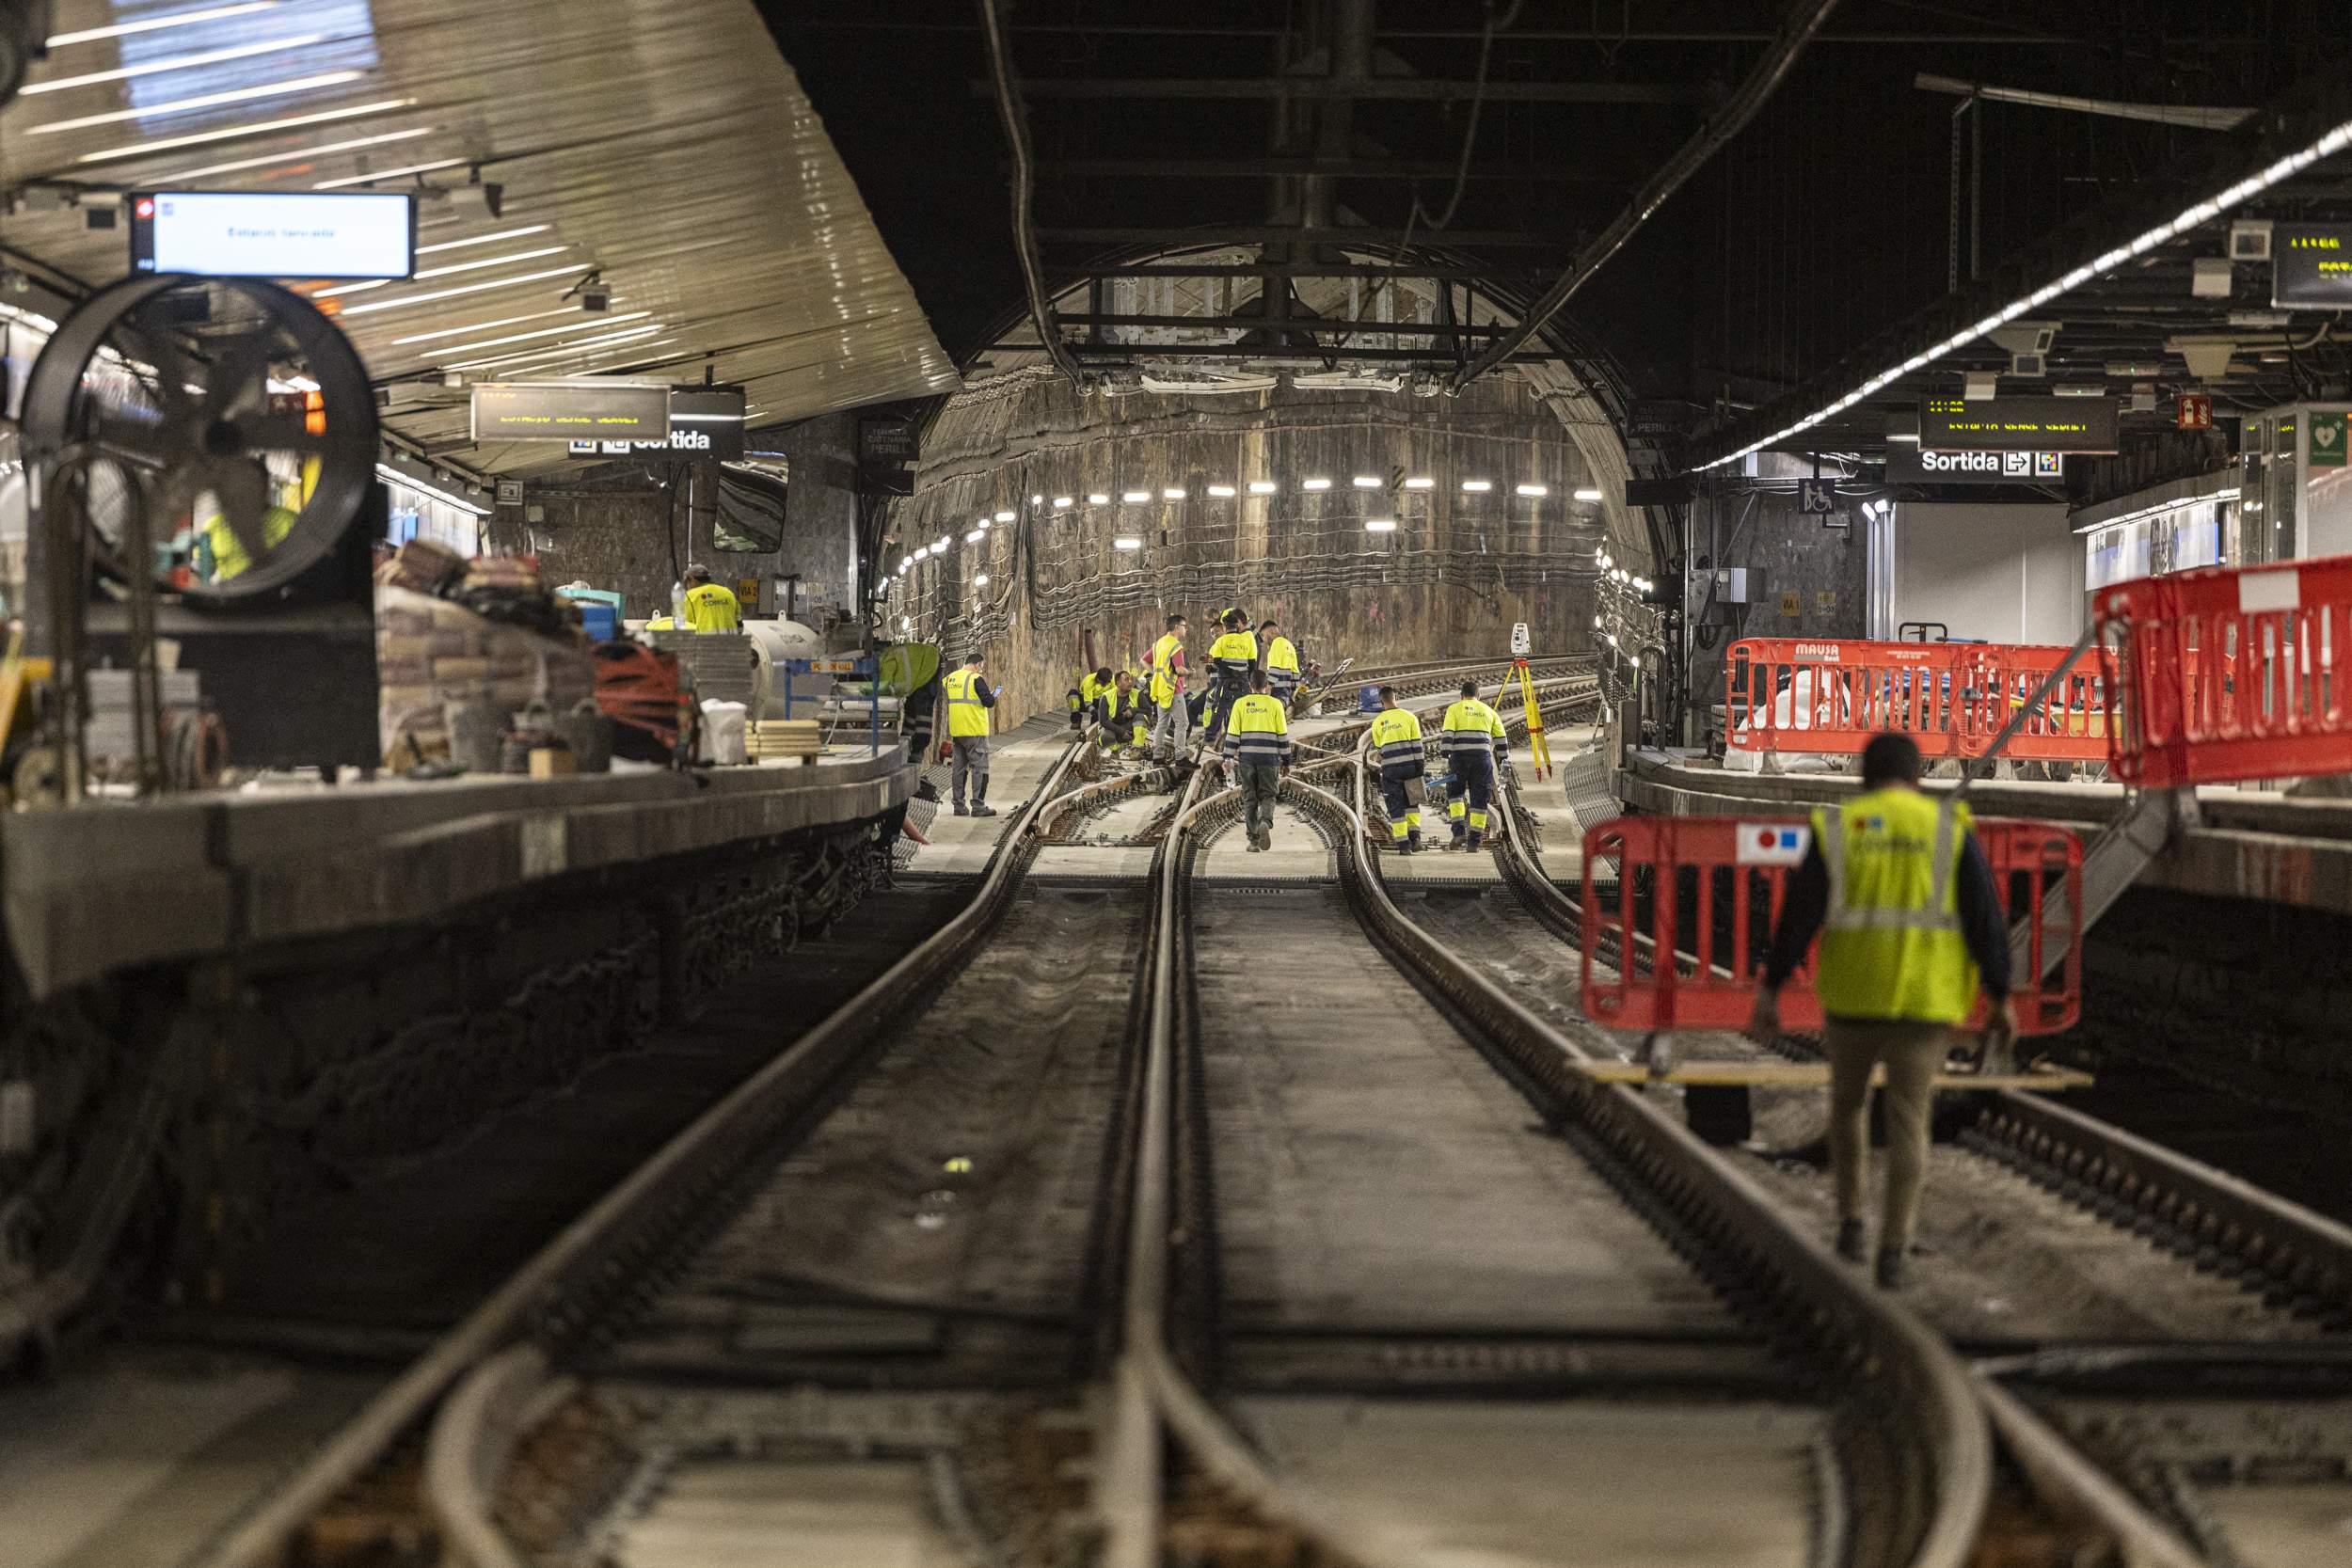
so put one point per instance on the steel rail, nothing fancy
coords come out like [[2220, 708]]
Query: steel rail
[[1923, 1393], [557, 1293]]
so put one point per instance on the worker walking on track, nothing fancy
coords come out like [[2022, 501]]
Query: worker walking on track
[[969, 699], [1475, 745], [1232, 658], [1910, 929], [710, 607], [1281, 662], [1401, 754], [1168, 693], [1258, 747]]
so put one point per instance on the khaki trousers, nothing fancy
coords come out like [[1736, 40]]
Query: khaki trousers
[[1913, 1052]]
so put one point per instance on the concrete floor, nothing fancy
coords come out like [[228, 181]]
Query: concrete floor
[[781, 1513]]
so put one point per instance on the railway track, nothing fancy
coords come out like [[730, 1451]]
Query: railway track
[[2162, 1347]]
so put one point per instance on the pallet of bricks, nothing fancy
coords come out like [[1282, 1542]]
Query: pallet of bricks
[[784, 738], [436, 655]]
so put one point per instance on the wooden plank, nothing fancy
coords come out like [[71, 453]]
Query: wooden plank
[[1815, 1075]]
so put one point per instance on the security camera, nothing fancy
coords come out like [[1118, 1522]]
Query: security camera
[[477, 199], [595, 297]]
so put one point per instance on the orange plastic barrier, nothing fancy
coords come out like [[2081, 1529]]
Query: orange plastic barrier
[[2231, 673], [1830, 696], [1709, 890]]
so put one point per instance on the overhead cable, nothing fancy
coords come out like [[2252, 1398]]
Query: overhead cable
[[1797, 29], [1024, 178]]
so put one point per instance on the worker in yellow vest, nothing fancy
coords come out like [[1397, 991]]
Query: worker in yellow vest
[[1258, 749], [710, 607], [1168, 693], [1119, 712], [1475, 745], [1091, 688], [1281, 662], [1232, 657], [1911, 928], [970, 700], [1401, 754]]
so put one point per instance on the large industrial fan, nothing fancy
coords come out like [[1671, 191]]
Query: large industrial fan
[[202, 453]]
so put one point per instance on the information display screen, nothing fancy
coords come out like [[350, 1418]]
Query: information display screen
[[2018, 424], [2311, 266], [704, 422], [274, 234], [570, 410]]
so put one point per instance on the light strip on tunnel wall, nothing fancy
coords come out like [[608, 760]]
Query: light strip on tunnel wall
[[296, 155], [177, 62], [251, 128], [2194, 217], [124, 29], [206, 101]]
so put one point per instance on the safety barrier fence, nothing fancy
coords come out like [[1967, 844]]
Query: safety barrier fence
[[2229, 674], [1678, 936], [1830, 696]]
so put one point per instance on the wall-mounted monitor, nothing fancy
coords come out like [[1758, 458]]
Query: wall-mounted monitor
[[273, 234]]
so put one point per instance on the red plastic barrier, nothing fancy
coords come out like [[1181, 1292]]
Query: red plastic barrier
[[1708, 891], [1830, 696], [2231, 673]]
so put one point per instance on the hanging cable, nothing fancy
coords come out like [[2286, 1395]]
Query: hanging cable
[[1024, 175], [1487, 29], [1803, 20]]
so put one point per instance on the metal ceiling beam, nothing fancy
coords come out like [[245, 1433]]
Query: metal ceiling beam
[[1419, 88], [1095, 355], [1294, 325], [1374, 239], [2194, 117], [1803, 20], [1304, 269], [1342, 168]]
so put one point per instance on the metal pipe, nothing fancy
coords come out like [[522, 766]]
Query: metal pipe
[[1024, 224], [1796, 31], [2194, 117]]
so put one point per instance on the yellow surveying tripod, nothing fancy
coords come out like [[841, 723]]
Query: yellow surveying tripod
[[1536, 747]]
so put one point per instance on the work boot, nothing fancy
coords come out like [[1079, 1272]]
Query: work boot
[[981, 808], [1472, 845], [926, 790], [959, 811], [1851, 1244], [1894, 1268], [1412, 842], [1456, 844]]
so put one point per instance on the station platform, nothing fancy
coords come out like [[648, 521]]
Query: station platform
[[269, 865], [2253, 844]]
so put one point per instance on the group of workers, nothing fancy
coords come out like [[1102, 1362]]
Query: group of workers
[[1236, 656], [1476, 750]]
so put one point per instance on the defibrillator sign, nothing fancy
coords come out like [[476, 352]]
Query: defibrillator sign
[[1773, 842]]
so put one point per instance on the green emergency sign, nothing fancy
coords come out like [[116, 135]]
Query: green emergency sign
[[2326, 441]]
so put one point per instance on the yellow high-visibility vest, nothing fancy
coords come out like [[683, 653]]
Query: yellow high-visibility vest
[[712, 608], [1892, 945], [967, 716], [1280, 657], [1164, 653]]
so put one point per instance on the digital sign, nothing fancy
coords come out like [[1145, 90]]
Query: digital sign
[[1911, 464], [274, 234], [570, 410], [2311, 266], [2018, 424], [704, 422]]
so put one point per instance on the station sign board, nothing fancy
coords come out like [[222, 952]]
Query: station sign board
[[273, 234], [1911, 465], [2018, 424], [2311, 266], [570, 410]]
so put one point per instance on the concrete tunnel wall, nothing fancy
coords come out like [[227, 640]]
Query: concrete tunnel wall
[[1458, 571]]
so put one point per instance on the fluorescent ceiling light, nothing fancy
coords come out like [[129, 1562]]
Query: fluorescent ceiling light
[[477, 239], [1126, 542], [385, 471], [1314, 484], [505, 321], [1587, 493], [973, 537], [1421, 482], [1135, 497], [981, 581], [1380, 525], [1263, 487], [1063, 503], [1533, 491], [1478, 486], [302, 154], [2244, 190], [1097, 498], [382, 174], [177, 62], [1004, 516], [251, 128], [206, 101], [575, 324], [1174, 493], [697, 418], [124, 29], [1034, 500], [1222, 492], [981, 524], [493, 262], [462, 288], [1365, 481]]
